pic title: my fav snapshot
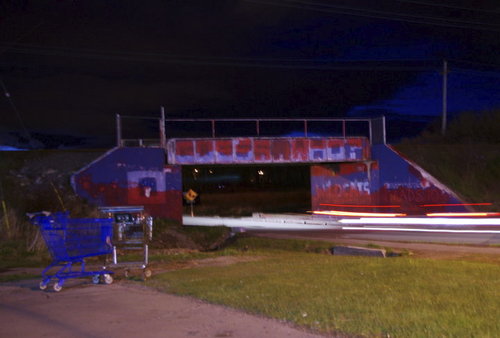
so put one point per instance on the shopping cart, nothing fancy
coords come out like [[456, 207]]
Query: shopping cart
[[69, 241], [133, 230]]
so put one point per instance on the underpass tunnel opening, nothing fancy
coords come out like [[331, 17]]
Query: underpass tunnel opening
[[242, 190]]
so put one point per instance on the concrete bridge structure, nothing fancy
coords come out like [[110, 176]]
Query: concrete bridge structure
[[357, 172]]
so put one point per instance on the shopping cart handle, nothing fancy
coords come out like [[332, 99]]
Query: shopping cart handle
[[39, 213], [108, 241]]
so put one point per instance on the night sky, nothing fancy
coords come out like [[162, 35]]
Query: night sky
[[70, 66]]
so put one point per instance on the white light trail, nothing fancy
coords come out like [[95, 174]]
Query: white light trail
[[463, 214], [424, 230], [260, 223], [423, 221], [353, 213]]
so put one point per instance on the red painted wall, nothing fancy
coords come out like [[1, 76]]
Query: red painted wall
[[387, 180], [241, 150], [133, 176]]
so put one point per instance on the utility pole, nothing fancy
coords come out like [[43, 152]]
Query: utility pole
[[118, 131], [445, 96], [163, 136]]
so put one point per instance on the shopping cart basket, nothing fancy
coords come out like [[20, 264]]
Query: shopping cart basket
[[133, 230], [69, 241]]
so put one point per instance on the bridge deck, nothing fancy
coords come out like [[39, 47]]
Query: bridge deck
[[249, 150]]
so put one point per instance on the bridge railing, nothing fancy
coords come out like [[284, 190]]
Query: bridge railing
[[371, 128]]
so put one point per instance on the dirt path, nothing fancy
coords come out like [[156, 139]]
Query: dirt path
[[123, 309]]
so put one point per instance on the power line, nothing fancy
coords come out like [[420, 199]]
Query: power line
[[16, 111], [277, 63], [433, 4], [412, 65], [24, 47], [476, 72], [21, 36], [347, 10], [393, 13], [493, 65]]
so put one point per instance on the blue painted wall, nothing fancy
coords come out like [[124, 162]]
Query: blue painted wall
[[133, 176]]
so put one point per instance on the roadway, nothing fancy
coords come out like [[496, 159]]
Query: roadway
[[366, 236], [328, 228]]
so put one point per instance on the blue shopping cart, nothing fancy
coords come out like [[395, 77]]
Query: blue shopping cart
[[69, 241]]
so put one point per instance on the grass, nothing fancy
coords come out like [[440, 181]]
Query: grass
[[13, 254], [469, 169], [170, 234], [262, 245], [466, 159], [403, 296], [17, 277]]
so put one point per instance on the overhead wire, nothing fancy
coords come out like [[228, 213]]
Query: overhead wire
[[329, 5], [484, 64], [397, 65], [16, 111], [434, 4], [277, 63], [26, 131], [477, 73], [411, 18], [481, 68]]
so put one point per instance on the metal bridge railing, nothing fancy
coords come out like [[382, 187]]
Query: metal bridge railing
[[375, 127]]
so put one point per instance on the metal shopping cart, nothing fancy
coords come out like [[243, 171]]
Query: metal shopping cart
[[69, 241], [133, 230]]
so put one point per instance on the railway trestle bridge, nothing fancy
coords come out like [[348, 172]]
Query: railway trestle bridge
[[353, 165]]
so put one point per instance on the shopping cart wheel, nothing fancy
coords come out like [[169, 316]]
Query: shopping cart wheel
[[108, 279], [57, 287], [95, 279], [147, 273], [43, 284]]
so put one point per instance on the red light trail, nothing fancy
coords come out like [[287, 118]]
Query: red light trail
[[452, 204], [361, 206], [356, 214]]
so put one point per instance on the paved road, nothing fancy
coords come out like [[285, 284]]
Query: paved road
[[123, 310], [466, 231], [427, 244], [437, 237], [397, 236]]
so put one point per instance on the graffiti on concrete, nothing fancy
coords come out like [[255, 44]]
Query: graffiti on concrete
[[133, 176], [267, 150]]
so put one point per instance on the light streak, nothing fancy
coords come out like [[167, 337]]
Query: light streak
[[361, 206], [463, 214], [424, 230], [423, 221], [451, 204], [355, 214]]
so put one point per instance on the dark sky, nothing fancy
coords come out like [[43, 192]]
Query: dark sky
[[70, 66]]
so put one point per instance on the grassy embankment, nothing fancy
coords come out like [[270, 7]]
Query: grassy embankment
[[466, 159], [402, 296]]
